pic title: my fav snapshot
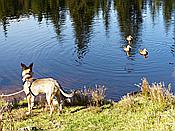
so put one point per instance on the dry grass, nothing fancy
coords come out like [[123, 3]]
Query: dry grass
[[157, 92], [87, 96], [5, 112]]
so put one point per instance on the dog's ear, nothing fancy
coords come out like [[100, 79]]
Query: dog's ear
[[31, 65], [23, 66]]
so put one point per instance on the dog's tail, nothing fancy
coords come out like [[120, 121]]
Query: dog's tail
[[62, 92], [65, 94]]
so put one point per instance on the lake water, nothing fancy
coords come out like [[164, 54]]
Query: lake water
[[81, 42]]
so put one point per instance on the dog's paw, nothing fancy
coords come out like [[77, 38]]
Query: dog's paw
[[58, 113], [28, 113]]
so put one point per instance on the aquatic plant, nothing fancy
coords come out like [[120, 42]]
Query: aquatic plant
[[157, 92], [87, 96]]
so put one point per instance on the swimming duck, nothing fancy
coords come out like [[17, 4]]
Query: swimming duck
[[127, 48], [129, 38], [143, 52]]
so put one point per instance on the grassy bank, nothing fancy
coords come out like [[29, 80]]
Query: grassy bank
[[152, 109]]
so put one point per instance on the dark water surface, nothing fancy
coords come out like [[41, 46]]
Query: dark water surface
[[79, 42]]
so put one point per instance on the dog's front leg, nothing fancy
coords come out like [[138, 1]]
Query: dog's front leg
[[32, 102], [29, 104]]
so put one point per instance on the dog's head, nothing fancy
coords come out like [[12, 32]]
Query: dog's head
[[27, 70]]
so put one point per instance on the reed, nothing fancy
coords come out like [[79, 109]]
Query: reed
[[87, 96], [157, 92]]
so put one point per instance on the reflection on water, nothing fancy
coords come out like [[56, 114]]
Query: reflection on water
[[81, 42], [82, 14]]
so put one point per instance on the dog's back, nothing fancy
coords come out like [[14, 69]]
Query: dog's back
[[44, 85]]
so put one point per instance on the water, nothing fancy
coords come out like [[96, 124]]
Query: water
[[81, 42]]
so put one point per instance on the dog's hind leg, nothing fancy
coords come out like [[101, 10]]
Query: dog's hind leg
[[49, 101], [59, 101]]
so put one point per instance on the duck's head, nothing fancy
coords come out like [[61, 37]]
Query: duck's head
[[129, 38], [127, 48], [144, 52]]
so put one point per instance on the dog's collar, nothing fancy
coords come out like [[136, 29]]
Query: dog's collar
[[24, 82], [26, 76]]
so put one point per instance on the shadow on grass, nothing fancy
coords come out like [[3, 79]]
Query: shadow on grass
[[76, 110]]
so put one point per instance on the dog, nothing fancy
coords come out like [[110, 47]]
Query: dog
[[33, 87]]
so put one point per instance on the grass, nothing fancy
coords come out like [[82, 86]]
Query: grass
[[152, 109]]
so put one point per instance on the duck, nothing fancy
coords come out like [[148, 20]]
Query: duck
[[143, 52], [127, 48], [129, 38]]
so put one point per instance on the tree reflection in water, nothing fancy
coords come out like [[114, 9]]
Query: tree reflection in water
[[82, 12]]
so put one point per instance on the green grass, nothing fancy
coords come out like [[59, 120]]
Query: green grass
[[143, 111], [132, 113]]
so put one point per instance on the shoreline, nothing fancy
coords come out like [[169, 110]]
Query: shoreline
[[151, 109]]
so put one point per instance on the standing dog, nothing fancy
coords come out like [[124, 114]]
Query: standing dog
[[48, 86]]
